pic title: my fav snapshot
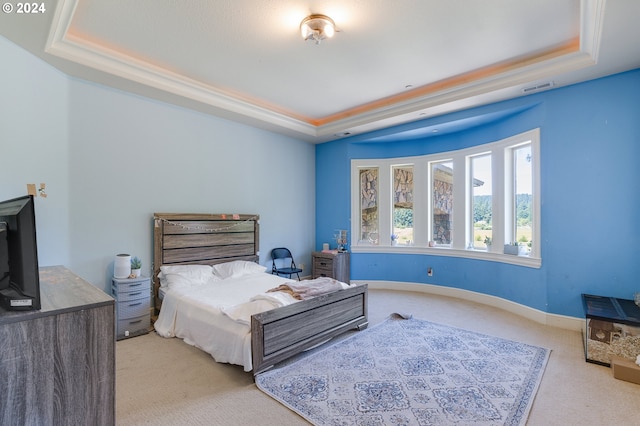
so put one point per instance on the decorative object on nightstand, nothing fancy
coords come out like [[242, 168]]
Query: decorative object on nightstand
[[136, 267], [133, 303], [122, 266], [333, 264], [341, 239]]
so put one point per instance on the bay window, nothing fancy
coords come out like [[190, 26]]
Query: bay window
[[468, 203]]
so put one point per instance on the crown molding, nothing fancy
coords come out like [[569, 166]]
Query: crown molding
[[63, 44]]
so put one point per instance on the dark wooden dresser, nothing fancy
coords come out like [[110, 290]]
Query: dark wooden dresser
[[57, 365], [331, 264]]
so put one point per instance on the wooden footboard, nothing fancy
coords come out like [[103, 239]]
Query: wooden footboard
[[283, 332]]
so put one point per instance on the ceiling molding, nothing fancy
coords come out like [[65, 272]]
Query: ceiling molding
[[591, 26], [61, 44], [512, 79], [446, 95]]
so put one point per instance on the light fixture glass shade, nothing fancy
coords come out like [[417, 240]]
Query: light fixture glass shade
[[317, 28]]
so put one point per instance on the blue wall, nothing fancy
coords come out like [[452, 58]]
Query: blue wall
[[590, 149]]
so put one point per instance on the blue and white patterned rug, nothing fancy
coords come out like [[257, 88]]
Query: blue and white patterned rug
[[411, 372]]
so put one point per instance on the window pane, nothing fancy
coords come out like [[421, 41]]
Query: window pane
[[523, 197], [402, 205], [369, 230], [442, 216], [481, 201]]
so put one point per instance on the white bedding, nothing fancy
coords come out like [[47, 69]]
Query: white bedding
[[213, 315]]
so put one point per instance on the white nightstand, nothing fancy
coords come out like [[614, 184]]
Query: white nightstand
[[133, 298]]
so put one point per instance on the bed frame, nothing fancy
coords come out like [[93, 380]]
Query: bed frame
[[209, 239]]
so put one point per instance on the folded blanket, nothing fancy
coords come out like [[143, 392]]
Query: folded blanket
[[282, 295], [302, 290], [259, 303]]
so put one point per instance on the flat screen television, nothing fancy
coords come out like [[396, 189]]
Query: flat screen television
[[19, 275]]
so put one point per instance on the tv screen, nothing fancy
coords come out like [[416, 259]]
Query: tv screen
[[20, 280]]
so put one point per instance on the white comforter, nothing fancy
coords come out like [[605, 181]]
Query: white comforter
[[213, 316]]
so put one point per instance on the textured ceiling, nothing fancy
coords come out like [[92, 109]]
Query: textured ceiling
[[391, 62]]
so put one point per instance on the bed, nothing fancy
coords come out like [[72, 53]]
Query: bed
[[229, 244]]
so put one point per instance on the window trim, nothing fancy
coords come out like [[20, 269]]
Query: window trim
[[423, 196]]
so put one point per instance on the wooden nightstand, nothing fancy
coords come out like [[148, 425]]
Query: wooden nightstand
[[334, 265]]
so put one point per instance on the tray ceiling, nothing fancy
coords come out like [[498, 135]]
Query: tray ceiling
[[390, 62]]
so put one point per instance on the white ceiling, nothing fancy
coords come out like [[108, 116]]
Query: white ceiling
[[392, 61]]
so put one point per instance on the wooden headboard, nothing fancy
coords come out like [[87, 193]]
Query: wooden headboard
[[206, 239]]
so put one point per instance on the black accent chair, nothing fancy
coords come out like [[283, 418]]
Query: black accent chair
[[285, 259]]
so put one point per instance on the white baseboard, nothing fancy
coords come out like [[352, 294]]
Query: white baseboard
[[554, 320]]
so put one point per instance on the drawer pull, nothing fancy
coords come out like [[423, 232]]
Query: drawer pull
[[135, 322], [135, 304], [135, 284], [135, 294], [323, 264]]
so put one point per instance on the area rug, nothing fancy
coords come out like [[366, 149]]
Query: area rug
[[407, 371]]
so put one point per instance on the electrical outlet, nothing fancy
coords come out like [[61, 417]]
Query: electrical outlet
[[301, 266], [429, 271]]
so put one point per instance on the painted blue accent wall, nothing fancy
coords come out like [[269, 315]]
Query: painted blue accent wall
[[590, 149]]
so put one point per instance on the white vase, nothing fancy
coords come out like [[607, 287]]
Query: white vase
[[122, 266], [136, 272]]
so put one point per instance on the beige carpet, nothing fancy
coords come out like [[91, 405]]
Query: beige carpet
[[167, 382]]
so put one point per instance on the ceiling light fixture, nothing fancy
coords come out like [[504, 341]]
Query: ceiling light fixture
[[317, 28]]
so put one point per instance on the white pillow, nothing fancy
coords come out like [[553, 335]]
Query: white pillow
[[237, 268], [176, 281], [193, 274]]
